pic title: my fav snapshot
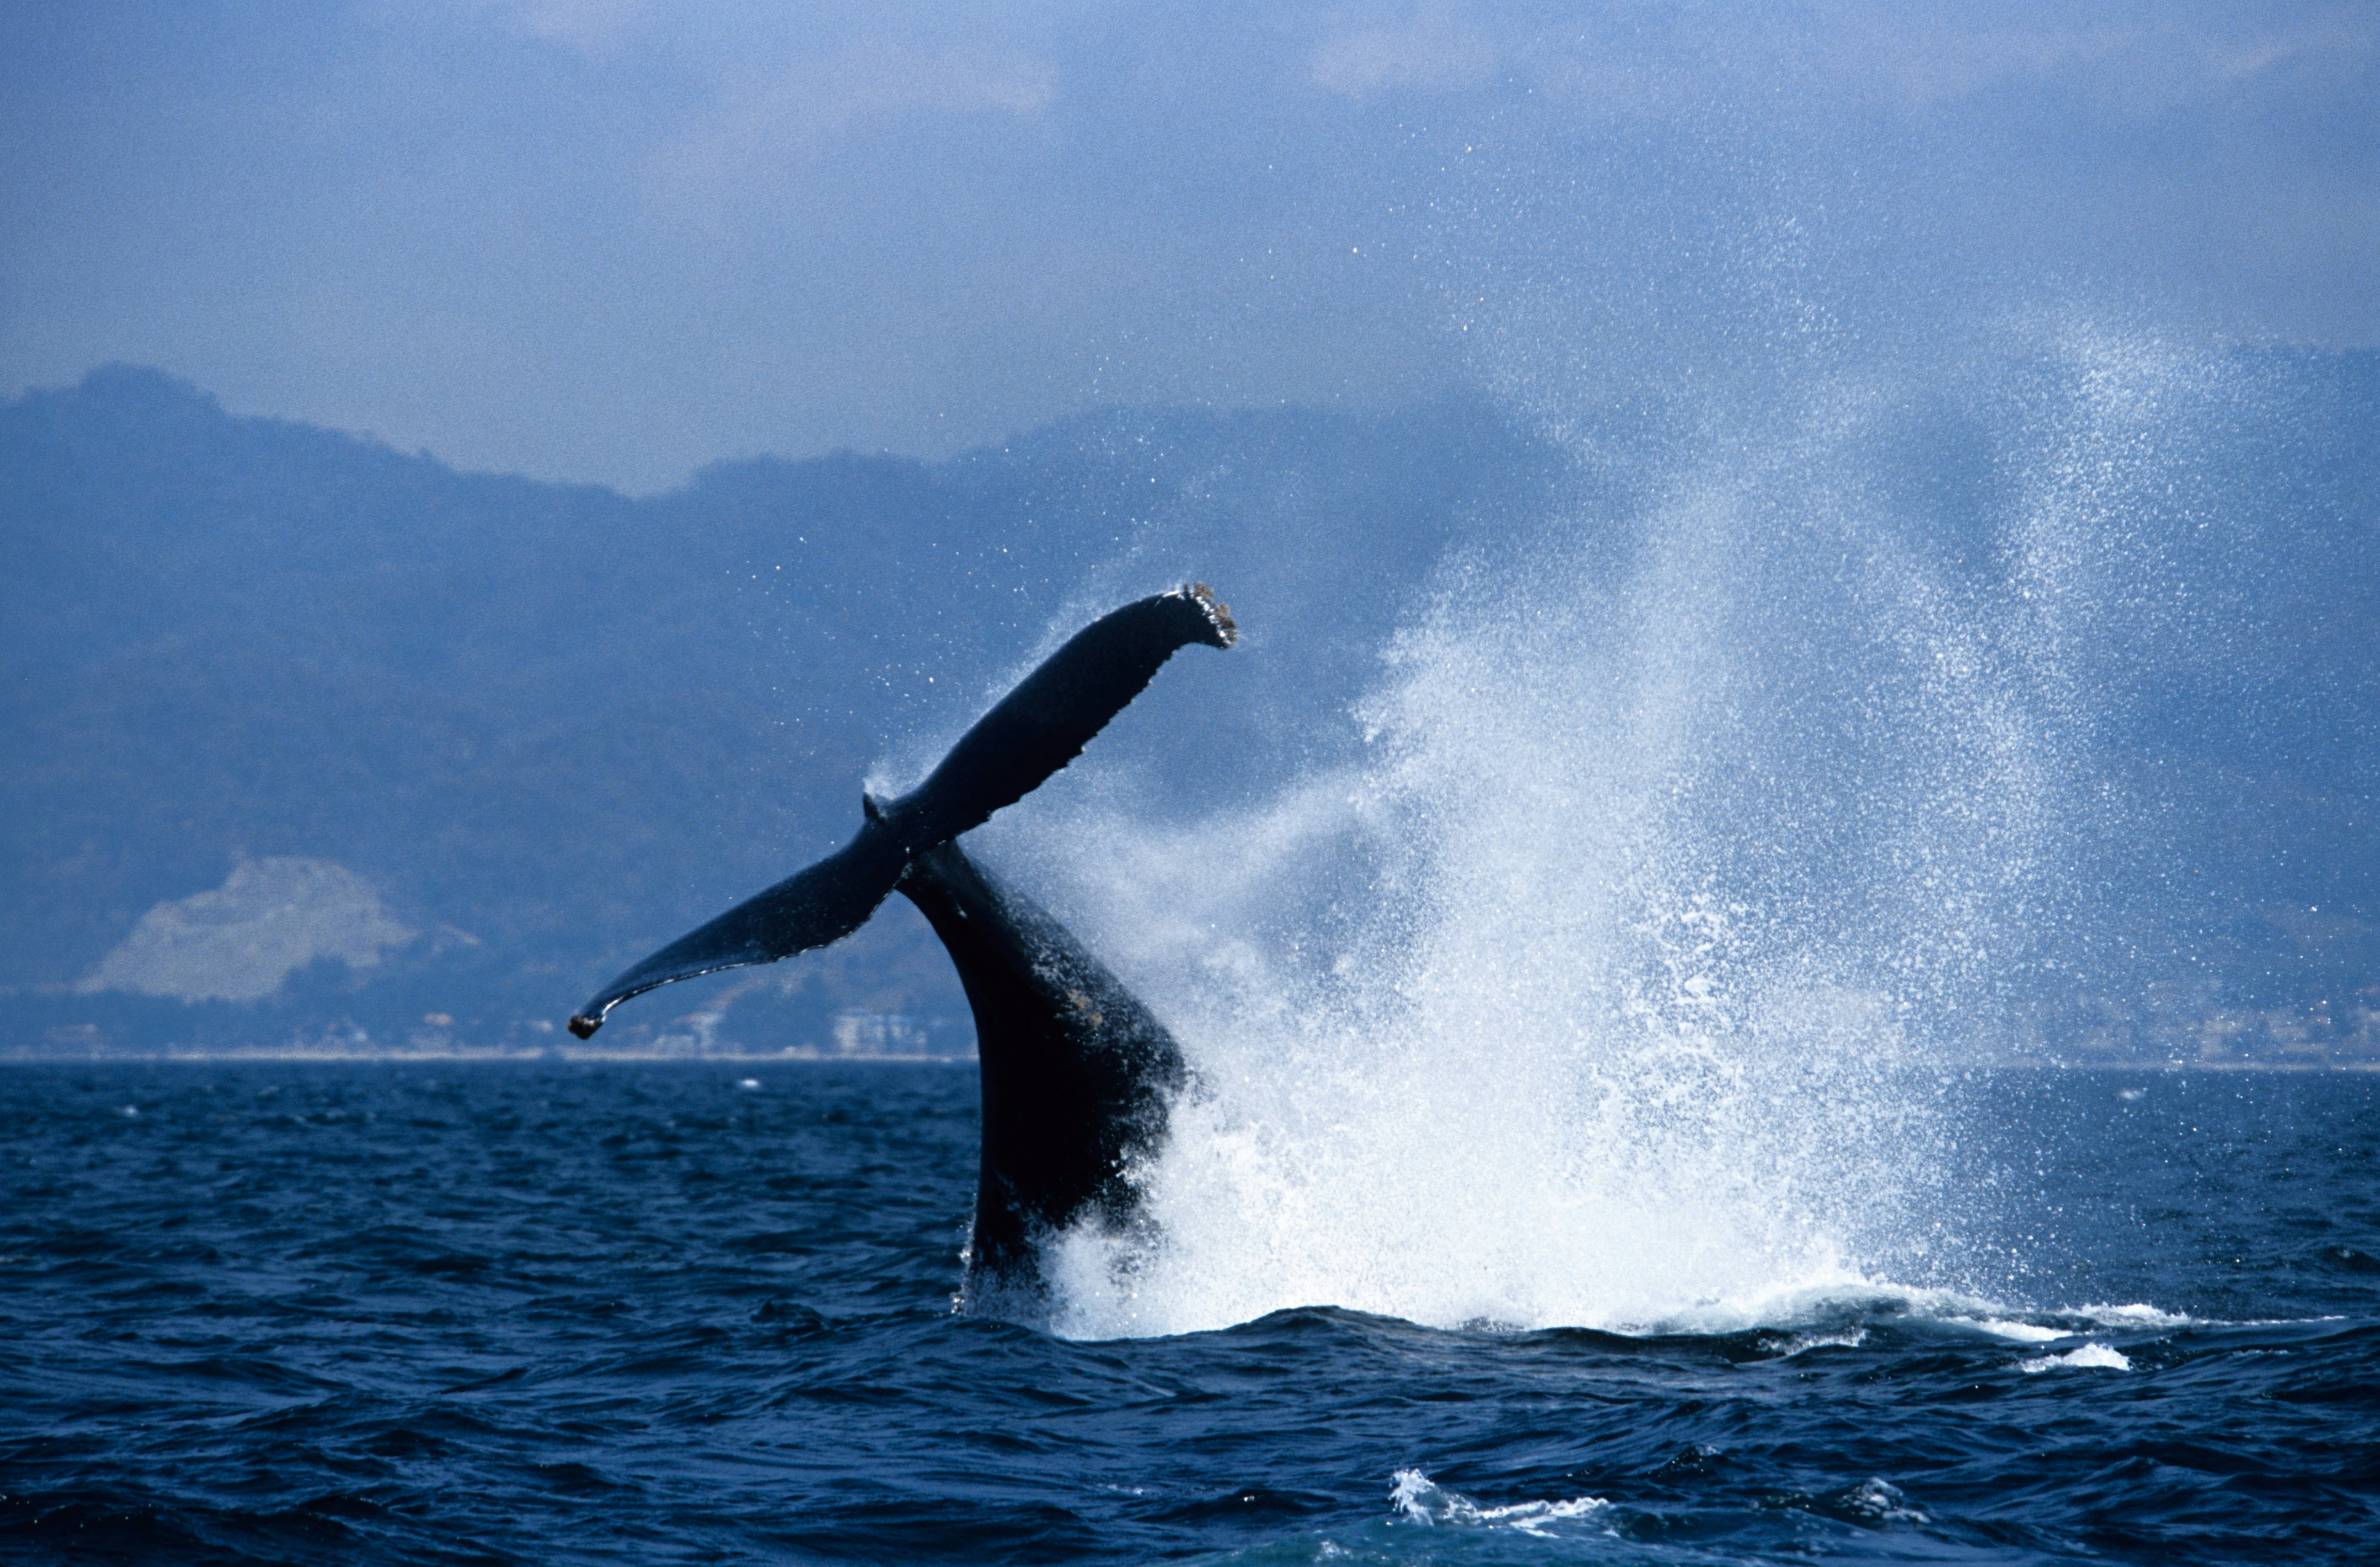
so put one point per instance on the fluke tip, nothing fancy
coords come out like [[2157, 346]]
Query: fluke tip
[[1218, 613]]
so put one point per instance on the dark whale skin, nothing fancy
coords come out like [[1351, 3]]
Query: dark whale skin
[[1038, 728], [1077, 1075]]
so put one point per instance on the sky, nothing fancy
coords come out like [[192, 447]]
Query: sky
[[615, 240]]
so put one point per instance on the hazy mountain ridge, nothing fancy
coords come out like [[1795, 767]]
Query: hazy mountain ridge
[[541, 728], [559, 724]]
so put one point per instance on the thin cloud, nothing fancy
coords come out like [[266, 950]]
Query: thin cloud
[[760, 126], [2336, 34], [2141, 64], [1429, 53], [584, 24]]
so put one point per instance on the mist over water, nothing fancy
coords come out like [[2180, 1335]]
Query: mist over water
[[1700, 827]]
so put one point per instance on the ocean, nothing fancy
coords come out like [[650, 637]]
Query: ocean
[[430, 1312]]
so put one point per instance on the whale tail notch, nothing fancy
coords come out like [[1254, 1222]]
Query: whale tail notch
[[1029, 734]]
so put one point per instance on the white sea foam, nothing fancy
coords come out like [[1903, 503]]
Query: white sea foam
[[2022, 1332], [1420, 1500], [2136, 1314], [1802, 1343], [2089, 1358], [1881, 1501]]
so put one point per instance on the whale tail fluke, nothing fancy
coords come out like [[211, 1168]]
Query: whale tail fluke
[[810, 909], [1029, 734], [1053, 712]]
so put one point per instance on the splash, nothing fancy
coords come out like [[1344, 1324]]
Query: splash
[[1696, 834]]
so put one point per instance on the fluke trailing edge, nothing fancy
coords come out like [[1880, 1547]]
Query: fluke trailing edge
[[1076, 1073]]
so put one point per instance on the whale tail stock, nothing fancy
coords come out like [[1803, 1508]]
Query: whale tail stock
[[1038, 728], [1077, 1075]]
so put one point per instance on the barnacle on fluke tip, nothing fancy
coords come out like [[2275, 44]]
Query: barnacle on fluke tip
[[1217, 611]]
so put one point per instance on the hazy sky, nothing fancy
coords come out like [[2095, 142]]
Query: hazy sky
[[614, 239]]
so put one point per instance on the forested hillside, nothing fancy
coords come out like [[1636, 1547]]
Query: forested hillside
[[551, 726], [310, 740]]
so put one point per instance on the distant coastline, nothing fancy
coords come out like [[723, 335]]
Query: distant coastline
[[580, 1055], [461, 1055]]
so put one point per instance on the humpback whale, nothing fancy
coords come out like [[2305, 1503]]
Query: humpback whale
[[1076, 1074]]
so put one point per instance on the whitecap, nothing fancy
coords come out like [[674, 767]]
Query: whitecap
[[2138, 1314], [1420, 1500], [2089, 1358], [1881, 1501]]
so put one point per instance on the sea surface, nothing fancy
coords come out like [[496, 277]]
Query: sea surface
[[440, 1312]]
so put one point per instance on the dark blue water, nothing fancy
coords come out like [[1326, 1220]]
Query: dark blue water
[[383, 1313]]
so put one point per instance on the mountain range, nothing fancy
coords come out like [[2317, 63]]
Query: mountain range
[[318, 744]]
